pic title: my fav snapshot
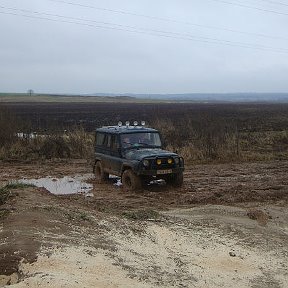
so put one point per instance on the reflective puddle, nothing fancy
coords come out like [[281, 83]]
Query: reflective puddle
[[63, 186], [74, 185], [117, 181]]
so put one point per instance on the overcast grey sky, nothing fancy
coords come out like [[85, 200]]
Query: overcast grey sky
[[110, 47]]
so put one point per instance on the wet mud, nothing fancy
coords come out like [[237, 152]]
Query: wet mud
[[235, 211]]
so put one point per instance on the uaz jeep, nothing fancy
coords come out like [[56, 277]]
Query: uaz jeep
[[135, 154]]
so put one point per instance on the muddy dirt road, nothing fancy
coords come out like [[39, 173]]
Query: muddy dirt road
[[227, 227]]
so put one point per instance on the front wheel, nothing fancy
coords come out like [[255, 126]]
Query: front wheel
[[100, 175], [131, 181], [175, 180]]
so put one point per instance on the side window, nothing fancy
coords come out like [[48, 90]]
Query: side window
[[114, 142], [107, 140], [100, 139]]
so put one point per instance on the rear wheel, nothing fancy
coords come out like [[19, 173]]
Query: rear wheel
[[100, 175], [175, 180], [131, 181]]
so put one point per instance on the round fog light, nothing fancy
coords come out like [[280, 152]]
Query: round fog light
[[170, 161], [158, 161], [146, 163]]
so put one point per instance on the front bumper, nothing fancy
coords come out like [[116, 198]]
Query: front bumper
[[160, 172]]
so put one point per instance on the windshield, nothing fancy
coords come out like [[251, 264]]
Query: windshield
[[141, 139]]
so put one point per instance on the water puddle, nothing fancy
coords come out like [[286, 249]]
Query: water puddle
[[117, 181], [74, 184], [63, 186]]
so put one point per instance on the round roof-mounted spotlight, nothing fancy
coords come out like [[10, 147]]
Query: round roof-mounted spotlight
[[135, 123], [119, 124]]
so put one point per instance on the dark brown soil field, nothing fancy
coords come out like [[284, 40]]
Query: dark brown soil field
[[55, 116]]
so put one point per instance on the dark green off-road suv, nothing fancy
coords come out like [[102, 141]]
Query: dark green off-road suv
[[135, 154]]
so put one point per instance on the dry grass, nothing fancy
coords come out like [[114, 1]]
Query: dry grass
[[200, 138], [73, 144], [216, 141], [195, 146]]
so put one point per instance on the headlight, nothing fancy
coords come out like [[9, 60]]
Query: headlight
[[177, 161], [146, 163], [170, 161], [158, 161]]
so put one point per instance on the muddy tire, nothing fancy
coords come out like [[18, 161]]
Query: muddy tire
[[175, 180], [100, 175], [131, 181]]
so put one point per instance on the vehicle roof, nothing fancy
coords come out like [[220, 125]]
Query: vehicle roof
[[125, 129]]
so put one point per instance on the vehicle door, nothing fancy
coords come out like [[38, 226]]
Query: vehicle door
[[116, 161], [102, 148]]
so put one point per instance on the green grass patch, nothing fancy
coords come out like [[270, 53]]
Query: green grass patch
[[3, 213], [4, 194], [18, 186], [83, 216], [50, 98], [141, 214], [78, 216]]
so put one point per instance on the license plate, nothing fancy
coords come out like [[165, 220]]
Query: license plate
[[160, 172]]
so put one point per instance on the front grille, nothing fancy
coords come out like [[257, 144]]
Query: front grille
[[164, 164]]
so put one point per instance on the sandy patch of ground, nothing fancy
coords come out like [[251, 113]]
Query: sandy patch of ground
[[172, 253], [74, 266]]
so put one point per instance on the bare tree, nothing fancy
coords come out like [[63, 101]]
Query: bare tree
[[30, 92]]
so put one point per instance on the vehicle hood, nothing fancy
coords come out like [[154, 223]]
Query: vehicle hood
[[139, 154]]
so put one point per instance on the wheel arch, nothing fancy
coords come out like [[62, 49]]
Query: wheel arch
[[125, 167], [94, 165], [132, 165]]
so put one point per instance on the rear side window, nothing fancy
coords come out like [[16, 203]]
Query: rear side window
[[114, 142], [107, 140], [100, 139]]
